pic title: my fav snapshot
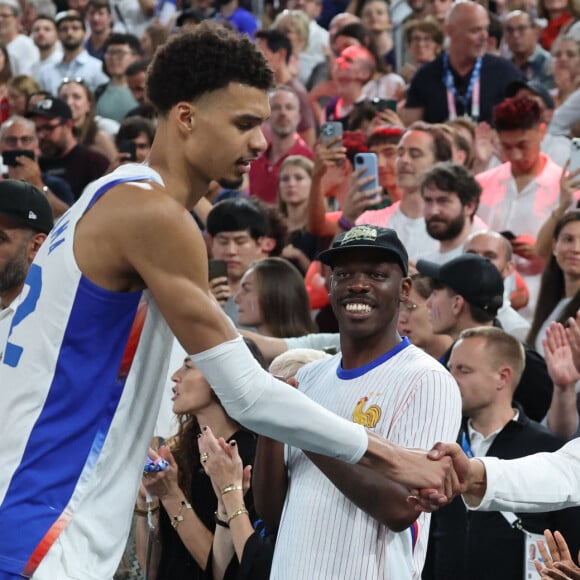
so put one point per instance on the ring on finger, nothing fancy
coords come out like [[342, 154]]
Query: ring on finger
[[204, 457]]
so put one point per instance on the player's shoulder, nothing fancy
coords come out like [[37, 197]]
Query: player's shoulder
[[137, 195]]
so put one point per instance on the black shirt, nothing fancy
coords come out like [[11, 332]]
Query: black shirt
[[428, 91]]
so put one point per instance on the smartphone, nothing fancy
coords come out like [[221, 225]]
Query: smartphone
[[153, 466], [371, 166], [331, 130], [217, 269], [385, 104], [9, 157], [574, 155], [128, 146]]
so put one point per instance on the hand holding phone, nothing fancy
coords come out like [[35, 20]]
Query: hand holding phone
[[9, 157], [574, 155], [330, 131], [369, 162], [217, 269]]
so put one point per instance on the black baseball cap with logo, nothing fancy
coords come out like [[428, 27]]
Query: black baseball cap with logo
[[26, 205], [471, 276], [370, 238], [51, 108]]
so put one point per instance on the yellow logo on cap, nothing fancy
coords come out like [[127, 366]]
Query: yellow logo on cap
[[360, 233]]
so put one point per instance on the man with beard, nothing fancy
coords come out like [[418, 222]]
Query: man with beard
[[421, 146], [284, 122], [62, 155], [25, 220], [450, 196], [76, 61], [45, 37]]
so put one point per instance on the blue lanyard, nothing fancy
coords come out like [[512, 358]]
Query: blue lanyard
[[473, 89], [465, 445]]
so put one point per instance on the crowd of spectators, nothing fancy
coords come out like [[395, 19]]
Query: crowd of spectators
[[470, 110]]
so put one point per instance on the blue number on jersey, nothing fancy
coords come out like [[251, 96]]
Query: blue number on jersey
[[34, 281]]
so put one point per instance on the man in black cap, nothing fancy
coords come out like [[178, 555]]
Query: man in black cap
[[25, 220], [467, 293], [62, 154], [382, 382]]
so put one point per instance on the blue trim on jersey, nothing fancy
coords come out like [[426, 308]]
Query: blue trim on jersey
[[86, 391], [360, 371], [98, 194], [70, 431]]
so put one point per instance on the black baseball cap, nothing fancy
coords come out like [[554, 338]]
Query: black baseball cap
[[51, 108], [533, 86], [471, 276], [192, 14], [24, 203], [369, 238]]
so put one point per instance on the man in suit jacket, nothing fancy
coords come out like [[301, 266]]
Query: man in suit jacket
[[487, 363]]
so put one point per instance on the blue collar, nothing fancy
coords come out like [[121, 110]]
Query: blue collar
[[360, 371]]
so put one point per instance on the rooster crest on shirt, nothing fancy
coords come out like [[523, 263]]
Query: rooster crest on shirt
[[368, 418]]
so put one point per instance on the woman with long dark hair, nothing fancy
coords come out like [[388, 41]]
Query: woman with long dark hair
[[183, 503], [559, 296], [272, 298]]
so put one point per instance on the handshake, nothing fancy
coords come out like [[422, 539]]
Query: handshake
[[435, 477]]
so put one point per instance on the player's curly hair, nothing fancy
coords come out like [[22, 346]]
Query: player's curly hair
[[206, 59], [517, 114]]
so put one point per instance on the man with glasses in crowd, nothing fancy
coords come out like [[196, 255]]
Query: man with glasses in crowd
[[115, 99], [19, 134], [61, 153]]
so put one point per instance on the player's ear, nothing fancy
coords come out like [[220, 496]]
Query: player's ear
[[185, 116]]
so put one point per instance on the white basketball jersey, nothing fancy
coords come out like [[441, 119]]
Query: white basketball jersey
[[77, 413]]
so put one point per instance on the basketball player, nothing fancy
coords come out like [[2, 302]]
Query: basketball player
[[74, 429]]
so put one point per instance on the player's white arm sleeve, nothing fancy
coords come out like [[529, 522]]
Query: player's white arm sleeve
[[317, 341], [536, 483], [270, 407]]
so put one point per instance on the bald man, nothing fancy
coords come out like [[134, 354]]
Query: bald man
[[463, 80]]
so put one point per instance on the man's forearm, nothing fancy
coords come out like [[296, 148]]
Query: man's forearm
[[381, 498]]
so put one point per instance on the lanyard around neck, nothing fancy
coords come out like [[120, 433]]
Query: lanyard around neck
[[473, 90]]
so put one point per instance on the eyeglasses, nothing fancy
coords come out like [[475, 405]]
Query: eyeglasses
[[25, 140], [117, 53], [424, 39], [48, 128]]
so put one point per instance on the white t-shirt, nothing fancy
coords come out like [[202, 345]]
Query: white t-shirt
[[23, 53], [411, 231]]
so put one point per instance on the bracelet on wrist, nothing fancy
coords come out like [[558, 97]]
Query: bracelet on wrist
[[221, 519], [144, 513], [176, 520], [232, 487], [237, 513], [345, 224]]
